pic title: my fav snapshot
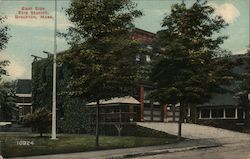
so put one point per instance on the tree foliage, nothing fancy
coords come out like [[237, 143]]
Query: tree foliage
[[188, 68], [102, 55], [42, 83], [3, 41], [76, 118], [40, 120], [72, 115], [3, 33], [7, 95], [94, 20], [244, 94], [7, 101]]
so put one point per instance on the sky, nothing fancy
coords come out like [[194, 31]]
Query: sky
[[33, 35]]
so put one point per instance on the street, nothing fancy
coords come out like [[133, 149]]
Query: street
[[228, 151], [234, 145]]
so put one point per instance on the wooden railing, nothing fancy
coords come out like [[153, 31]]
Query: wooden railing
[[121, 117]]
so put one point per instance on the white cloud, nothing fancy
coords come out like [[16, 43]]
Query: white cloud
[[227, 11], [15, 69]]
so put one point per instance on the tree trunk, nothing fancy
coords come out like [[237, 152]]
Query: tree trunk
[[97, 124], [41, 134], [180, 122], [119, 129]]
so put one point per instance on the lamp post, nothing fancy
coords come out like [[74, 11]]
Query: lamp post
[[53, 132], [53, 135]]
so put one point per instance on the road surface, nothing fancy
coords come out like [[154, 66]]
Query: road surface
[[235, 145], [229, 151]]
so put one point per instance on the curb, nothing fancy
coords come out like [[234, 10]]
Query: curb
[[157, 152]]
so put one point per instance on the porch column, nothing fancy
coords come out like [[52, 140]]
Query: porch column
[[224, 113], [142, 102], [236, 113], [165, 113], [210, 113], [173, 107]]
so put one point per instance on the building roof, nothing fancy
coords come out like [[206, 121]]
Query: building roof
[[142, 36], [141, 31], [230, 98], [117, 100], [221, 100], [23, 86]]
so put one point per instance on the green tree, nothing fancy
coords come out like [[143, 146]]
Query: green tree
[[3, 41], [7, 95], [76, 117], [188, 68], [3, 33], [244, 94], [40, 120], [7, 101], [102, 58]]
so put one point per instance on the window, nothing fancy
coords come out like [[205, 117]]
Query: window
[[188, 112], [205, 113], [230, 112], [217, 113], [148, 59]]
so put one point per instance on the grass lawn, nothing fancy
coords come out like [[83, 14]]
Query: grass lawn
[[28, 145]]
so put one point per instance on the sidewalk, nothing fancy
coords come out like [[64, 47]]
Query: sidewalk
[[134, 152]]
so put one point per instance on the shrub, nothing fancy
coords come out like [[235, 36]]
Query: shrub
[[40, 120]]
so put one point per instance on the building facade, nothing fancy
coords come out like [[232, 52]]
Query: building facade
[[23, 97]]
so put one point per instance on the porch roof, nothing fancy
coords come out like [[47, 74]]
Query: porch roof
[[221, 99], [117, 100]]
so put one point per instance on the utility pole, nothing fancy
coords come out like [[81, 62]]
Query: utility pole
[[53, 132]]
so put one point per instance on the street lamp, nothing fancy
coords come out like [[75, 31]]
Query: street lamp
[[53, 132], [48, 53]]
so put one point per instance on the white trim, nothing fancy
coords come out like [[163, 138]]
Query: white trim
[[24, 95], [189, 112], [117, 100], [216, 118], [21, 104], [224, 113], [3, 123]]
